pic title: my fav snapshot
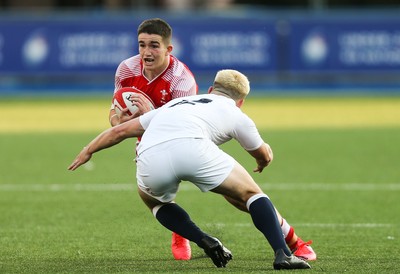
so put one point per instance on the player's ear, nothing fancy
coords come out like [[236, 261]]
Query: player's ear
[[239, 103], [169, 49], [210, 89]]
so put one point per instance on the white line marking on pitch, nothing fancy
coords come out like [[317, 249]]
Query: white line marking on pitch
[[321, 225], [188, 187], [67, 187]]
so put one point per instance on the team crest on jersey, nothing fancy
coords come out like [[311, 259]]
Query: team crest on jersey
[[164, 93]]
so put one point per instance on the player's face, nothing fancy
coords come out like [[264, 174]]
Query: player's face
[[154, 52]]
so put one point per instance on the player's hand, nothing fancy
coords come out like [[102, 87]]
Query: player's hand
[[270, 153], [264, 161], [83, 157], [124, 116], [260, 166], [141, 102]]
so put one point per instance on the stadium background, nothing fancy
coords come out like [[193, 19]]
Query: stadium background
[[326, 97], [281, 45]]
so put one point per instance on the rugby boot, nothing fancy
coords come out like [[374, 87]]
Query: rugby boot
[[219, 254], [303, 250], [282, 261], [180, 247]]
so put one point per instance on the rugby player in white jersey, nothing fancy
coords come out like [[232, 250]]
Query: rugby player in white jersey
[[192, 128], [161, 76]]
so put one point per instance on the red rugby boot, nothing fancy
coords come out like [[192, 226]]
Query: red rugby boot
[[303, 250], [180, 247]]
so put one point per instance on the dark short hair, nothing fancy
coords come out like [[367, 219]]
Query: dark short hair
[[156, 26]]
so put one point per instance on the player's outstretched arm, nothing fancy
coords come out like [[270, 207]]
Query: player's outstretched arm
[[83, 157], [263, 156], [106, 139]]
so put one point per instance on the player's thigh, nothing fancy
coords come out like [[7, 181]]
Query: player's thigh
[[239, 185], [149, 200], [204, 164], [155, 175]]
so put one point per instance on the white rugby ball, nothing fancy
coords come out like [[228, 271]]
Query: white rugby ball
[[122, 99]]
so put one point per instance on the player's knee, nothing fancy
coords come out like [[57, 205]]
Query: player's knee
[[246, 195], [251, 194]]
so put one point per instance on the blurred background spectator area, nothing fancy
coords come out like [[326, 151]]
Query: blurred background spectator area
[[194, 4], [282, 45]]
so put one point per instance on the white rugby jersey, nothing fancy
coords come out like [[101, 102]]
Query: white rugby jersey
[[210, 116]]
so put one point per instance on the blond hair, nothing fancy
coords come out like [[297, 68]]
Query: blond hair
[[231, 83]]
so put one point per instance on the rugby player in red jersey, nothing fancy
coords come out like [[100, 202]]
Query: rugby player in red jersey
[[163, 77]]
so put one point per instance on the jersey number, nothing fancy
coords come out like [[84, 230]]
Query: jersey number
[[201, 101]]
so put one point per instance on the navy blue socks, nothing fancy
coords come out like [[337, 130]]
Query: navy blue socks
[[176, 219], [264, 218], [261, 209]]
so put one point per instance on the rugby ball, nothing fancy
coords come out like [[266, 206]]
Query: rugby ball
[[122, 99]]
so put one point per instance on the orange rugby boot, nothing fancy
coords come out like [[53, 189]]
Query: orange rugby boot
[[180, 247]]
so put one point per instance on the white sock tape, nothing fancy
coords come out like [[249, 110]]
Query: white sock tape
[[255, 197]]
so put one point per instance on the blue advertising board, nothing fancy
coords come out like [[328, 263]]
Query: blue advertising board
[[345, 45], [246, 44], [90, 46], [275, 51], [64, 46]]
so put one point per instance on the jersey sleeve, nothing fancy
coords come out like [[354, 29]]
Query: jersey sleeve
[[247, 134], [183, 82], [121, 69], [186, 87], [146, 118], [117, 79]]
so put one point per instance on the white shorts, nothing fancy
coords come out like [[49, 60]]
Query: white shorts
[[161, 168]]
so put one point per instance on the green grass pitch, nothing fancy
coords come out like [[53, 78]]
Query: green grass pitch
[[335, 178]]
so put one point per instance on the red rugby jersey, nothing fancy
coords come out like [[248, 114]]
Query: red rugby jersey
[[176, 81]]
